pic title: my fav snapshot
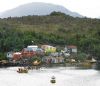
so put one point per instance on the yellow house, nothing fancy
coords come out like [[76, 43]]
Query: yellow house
[[48, 48]]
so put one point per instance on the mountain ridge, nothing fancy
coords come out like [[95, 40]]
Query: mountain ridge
[[37, 8]]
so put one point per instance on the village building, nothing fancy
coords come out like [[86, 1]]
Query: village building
[[14, 56], [28, 52], [17, 56], [40, 52], [9, 55], [71, 49], [48, 48], [50, 59], [33, 47], [31, 51]]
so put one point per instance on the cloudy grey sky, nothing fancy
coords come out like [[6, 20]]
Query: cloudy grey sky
[[89, 8]]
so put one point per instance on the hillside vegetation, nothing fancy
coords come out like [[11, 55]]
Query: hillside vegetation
[[55, 29]]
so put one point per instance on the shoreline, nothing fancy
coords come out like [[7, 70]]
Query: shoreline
[[77, 65]]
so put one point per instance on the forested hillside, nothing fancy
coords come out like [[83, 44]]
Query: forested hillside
[[56, 29]]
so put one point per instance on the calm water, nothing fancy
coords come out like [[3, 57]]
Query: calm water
[[65, 76]]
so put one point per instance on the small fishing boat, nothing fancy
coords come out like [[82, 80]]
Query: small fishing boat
[[22, 70]]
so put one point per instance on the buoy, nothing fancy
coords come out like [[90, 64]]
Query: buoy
[[53, 80]]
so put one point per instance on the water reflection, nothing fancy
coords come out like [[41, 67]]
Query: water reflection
[[83, 66], [97, 66]]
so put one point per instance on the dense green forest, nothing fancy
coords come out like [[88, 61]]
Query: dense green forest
[[56, 29]]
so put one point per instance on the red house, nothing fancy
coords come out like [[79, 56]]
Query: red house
[[17, 56], [28, 52]]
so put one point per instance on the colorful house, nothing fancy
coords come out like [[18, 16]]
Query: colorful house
[[28, 52], [50, 59], [48, 48], [14, 56], [17, 56], [40, 52]]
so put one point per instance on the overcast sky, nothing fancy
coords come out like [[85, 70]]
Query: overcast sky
[[89, 8]]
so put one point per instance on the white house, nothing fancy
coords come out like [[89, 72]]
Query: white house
[[71, 49], [10, 55], [33, 47], [66, 54]]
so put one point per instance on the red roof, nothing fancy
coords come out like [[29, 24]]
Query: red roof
[[71, 46], [17, 56]]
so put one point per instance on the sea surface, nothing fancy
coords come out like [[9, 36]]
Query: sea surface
[[64, 76]]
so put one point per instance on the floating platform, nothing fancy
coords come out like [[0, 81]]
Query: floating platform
[[53, 81]]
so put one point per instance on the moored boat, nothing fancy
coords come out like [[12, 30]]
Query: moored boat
[[22, 70]]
